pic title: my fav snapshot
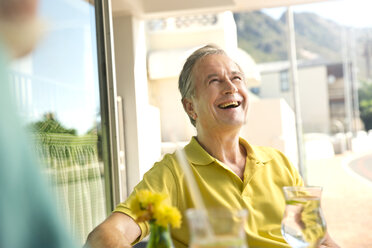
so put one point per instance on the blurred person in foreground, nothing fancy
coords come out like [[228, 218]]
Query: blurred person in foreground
[[27, 216], [230, 173]]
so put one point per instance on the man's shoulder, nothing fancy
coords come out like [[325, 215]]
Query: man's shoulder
[[257, 148], [267, 149], [167, 162], [266, 153], [271, 155], [168, 159]]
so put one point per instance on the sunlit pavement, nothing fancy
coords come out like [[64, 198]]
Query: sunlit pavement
[[346, 201], [363, 166]]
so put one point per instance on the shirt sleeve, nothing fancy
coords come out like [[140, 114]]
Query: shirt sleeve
[[160, 179]]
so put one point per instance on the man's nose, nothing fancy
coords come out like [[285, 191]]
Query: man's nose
[[229, 87]]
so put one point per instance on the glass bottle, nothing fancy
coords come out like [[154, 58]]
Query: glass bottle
[[159, 237]]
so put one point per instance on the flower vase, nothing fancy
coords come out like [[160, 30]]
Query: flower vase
[[159, 237]]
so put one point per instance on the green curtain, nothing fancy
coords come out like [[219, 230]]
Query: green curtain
[[76, 175]]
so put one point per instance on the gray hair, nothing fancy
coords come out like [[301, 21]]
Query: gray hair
[[186, 83]]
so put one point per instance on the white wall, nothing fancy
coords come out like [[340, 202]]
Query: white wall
[[174, 121], [314, 99]]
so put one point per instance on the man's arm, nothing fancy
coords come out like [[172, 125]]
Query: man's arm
[[117, 231], [328, 242]]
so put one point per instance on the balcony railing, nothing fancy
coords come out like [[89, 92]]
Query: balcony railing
[[182, 22]]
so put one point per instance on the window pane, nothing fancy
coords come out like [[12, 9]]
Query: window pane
[[57, 91], [334, 52]]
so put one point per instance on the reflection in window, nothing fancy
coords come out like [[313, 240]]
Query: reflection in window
[[255, 90], [284, 81], [57, 92]]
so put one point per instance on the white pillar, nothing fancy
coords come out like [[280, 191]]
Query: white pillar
[[347, 86], [131, 78], [295, 91]]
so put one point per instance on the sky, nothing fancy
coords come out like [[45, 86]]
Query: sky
[[353, 13], [64, 71]]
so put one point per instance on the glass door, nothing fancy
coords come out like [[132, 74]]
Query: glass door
[[57, 89]]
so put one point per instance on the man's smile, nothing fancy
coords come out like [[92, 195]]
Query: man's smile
[[230, 104]]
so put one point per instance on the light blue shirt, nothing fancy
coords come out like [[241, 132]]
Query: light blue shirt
[[28, 217]]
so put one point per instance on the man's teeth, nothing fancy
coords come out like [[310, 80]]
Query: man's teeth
[[229, 104]]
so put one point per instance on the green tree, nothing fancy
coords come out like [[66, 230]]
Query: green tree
[[365, 104], [49, 124]]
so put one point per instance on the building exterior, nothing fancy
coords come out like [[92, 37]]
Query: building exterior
[[336, 92], [271, 122], [321, 89]]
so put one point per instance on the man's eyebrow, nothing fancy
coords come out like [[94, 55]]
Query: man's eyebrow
[[216, 75], [212, 75], [237, 73]]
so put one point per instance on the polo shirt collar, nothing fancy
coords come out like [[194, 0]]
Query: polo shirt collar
[[197, 155], [254, 153]]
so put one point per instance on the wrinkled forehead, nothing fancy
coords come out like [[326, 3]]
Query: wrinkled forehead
[[214, 64]]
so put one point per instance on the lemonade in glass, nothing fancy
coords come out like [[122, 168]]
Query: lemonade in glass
[[303, 224]]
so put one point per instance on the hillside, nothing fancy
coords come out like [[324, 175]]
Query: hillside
[[266, 40]]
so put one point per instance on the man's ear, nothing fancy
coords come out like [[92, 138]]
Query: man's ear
[[188, 106]]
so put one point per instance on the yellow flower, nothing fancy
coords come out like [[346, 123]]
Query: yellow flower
[[149, 206], [165, 215], [150, 198], [175, 218]]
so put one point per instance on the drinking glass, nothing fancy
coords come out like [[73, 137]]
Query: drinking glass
[[217, 228], [303, 224]]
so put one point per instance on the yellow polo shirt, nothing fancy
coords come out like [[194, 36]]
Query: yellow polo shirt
[[266, 171]]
